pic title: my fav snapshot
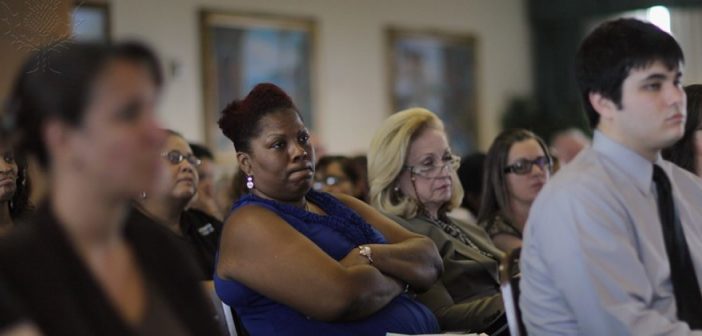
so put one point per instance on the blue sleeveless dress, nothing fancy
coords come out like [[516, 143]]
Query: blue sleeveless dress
[[337, 233]]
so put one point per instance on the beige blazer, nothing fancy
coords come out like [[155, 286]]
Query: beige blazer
[[467, 297]]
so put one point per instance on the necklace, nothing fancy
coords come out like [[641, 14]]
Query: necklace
[[456, 232]]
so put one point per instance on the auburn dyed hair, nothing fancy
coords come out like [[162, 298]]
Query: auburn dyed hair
[[240, 119]]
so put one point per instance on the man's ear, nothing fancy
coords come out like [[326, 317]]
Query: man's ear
[[604, 106], [244, 162]]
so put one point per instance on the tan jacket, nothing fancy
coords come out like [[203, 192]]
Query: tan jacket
[[467, 297]]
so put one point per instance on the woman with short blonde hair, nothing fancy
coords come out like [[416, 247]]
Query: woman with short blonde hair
[[386, 160], [412, 174]]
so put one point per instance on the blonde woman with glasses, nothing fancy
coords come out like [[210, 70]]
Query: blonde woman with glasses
[[412, 175]]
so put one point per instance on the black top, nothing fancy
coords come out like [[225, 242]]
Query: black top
[[200, 238], [60, 295], [202, 232]]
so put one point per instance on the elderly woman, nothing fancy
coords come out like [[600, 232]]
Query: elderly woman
[[517, 166], [294, 261], [687, 152], [84, 265], [167, 204], [412, 174]]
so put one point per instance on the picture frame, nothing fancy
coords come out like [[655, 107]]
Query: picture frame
[[240, 50], [438, 71], [90, 22]]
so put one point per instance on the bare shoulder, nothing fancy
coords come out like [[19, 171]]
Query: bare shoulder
[[253, 222], [351, 202]]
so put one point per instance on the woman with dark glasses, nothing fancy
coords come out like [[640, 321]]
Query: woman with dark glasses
[[167, 204], [413, 180], [517, 166]]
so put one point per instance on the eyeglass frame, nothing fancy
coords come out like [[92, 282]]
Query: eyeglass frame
[[530, 165], [454, 163], [187, 157]]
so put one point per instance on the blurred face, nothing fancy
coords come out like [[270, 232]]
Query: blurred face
[[653, 110], [281, 159], [529, 171], [180, 176], [206, 174], [333, 179], [8, 174], [429, 168], [118, 145]]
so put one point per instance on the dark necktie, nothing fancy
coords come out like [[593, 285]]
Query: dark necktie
[[682, 272]]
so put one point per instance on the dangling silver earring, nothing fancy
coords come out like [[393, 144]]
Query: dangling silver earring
[[142, 195], [249, 182]]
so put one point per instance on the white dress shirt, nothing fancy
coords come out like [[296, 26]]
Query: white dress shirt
[[593, 256]]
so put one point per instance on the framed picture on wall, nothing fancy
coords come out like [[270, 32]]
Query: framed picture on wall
[[242, 50], [90, 21], [436, 71]]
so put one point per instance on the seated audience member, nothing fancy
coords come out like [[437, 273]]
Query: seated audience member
[[470, 174], [83, 265], [166, 204], [517, 166], [687, 152], [613, 244], [337, 174], [361, 164], [567, 143], [205, 199], [294, 261], [413, 180], [14, 190]]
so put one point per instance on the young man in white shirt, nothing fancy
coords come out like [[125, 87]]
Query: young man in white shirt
[[595, 258]]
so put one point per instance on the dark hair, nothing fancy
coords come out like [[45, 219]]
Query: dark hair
[[611, 51], [20, 206], [201, 152], [347, 166], [470, 173], [61, 90], [495, 192], [240, 119], [682, 153], [361, 163]]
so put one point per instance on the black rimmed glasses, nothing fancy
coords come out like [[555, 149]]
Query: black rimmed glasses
[[175, 157], [524, 166], [434, 170]]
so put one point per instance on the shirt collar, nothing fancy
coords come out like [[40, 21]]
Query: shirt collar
[[628, 161]]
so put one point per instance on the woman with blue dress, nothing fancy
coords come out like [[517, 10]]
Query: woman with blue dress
[[293, 261]]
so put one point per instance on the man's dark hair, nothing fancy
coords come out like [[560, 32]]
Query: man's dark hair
[[611, 51]]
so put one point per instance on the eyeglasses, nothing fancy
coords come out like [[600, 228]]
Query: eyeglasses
[[319, 184], [175, 157], [434, 170], [523, 166]]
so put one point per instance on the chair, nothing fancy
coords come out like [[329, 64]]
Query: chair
[[509, 286], [226, 317]]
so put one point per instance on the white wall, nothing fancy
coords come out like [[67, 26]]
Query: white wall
[[352, 97]]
